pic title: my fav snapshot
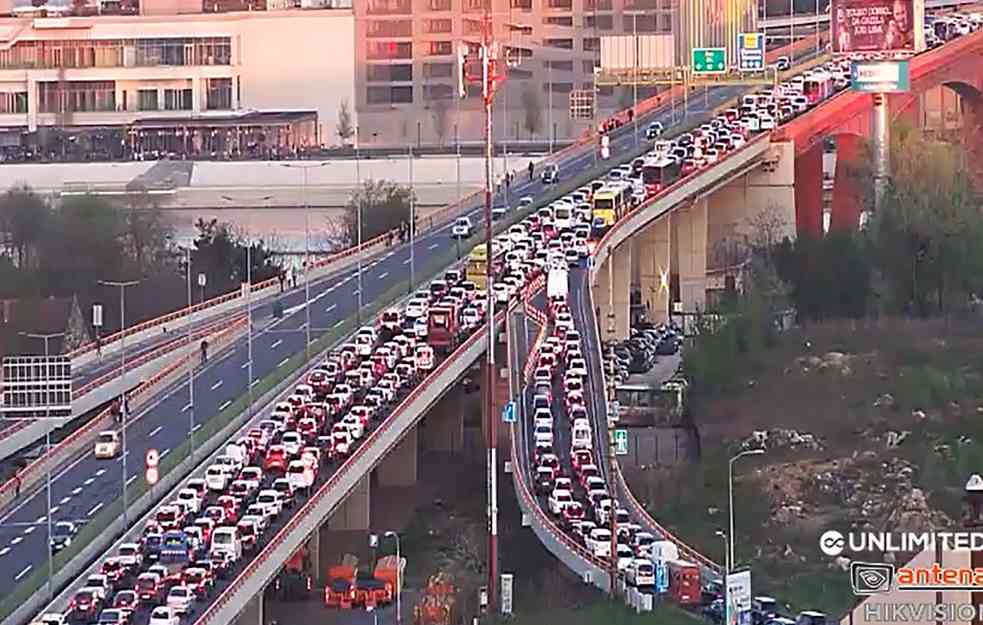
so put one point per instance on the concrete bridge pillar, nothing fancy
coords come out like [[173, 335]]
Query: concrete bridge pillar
[[621, 292], [353, 513], [654, 260], [690, 247], [809, 191], [847, 189], [399, 467], [252, 613], [313, 557], [443, 427]]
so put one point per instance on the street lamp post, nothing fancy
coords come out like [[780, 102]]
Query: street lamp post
[[730, 494], [728, 544], [47, 443], [125, 407], [399, 575], [358, 226], [412, 222], [307, 250], [191, 364], [634, 83]]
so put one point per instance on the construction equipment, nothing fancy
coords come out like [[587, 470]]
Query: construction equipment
[[436, 604], [340, 589]]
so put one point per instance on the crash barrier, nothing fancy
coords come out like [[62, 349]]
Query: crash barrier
[[36, 470]]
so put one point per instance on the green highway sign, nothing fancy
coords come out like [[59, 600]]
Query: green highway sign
[[709, 61], [621, 442]]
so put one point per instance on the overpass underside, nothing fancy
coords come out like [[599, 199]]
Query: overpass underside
[[681, 261]]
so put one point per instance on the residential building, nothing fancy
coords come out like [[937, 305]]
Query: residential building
[[222, 84]]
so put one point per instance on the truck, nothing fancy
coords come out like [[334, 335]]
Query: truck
[[442, 328], [557, 284], [177, 551], [684, 582], [339, 592]]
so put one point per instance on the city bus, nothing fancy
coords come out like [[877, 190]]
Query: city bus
[[817, 87], [475, 269], [659, 173]]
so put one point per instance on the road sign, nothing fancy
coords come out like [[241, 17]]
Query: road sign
[[880, 76], [709, 61], [621, 442], [582, 104], [152, 458], [508, 412], [152, 475], [97, 315], [751, 52], [506, 593], [661, 576], [36, 385]]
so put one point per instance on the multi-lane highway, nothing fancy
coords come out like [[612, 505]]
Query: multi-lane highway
[[84, 485]]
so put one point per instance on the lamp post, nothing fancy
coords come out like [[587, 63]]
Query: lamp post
[[125, 408], [727, 564], [47, 442], [730, 493], [412, 221], [358, 226], [191, 364], [307, 250], [634, 83], [399, 575], [249, 311]]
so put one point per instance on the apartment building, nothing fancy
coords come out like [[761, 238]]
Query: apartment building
[[406, 70], [213, 83]]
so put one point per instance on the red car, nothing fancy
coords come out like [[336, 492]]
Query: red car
[[572, 513], [231, 506], [275, 459], [580, 458], [85, 605]]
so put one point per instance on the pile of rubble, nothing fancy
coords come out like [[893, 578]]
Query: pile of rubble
[[837, 362], [781, 438]]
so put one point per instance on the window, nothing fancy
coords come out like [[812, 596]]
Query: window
[[218, 94], [519, 73], [518, 53], [565, 44], [147, 100], [13, 102], [558, 87], [438, 70], [559, 20], [390, 28], [644, 23], [78, 96], [439, 48], [524, 5], [438, 92], [588, 67], [389, 7], [591, 44], [564, 5], [439, 5], [600, 22], [560, 66], [389, 49], [476, 5], [597, 5], [177, 99], [437, 26], [389, 73], [473, 27], [389, 95]]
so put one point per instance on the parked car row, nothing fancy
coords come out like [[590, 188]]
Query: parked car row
[[640, 351]]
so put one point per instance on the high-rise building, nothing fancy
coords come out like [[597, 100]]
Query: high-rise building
[[406, 72]]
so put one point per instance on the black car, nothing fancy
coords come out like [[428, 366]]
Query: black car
[[667, 346], [714, 611]]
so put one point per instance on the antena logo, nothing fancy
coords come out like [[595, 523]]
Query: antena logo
[[871, 578], [832, 543]]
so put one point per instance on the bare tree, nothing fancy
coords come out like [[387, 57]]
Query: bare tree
[[439, 111], [533, 109], [345, 129]]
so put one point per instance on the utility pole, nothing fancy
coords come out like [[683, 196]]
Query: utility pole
[[612, 461]]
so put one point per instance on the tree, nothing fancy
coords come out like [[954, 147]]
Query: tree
[[439, 111], [146, 236], [83, 246], [345, 128], [215, 255], [24, 218], [385, 206], [533, 109]]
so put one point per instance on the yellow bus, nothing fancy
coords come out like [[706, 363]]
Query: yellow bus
[[609, 206], [476, 266]]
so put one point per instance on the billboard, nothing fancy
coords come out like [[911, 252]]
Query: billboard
[[876, 25], [751, 52], [620, 52], [34, 385], [880, 76], [738, 609]]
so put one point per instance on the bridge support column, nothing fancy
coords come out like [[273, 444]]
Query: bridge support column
[[881, 131], [252, 613], [314, 557], [690, 248], [353, 514], [399, 468], [443, 427], [654, 260], [621, 289]]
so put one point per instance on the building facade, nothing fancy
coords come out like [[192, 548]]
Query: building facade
[[214, 82], [406, 72]]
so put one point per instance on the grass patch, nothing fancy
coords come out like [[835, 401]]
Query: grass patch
[[605, 612]]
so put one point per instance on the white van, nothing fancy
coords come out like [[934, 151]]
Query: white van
[[641, 573], [663, 551], [237, 453], [581, 435], [600, 542], [226, 540]]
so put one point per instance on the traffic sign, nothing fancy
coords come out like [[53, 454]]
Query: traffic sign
[[152, 474], [880, 76], [751, 52], [508, 412], [152, 458], [709, 61], [621, 442], [661, 577]]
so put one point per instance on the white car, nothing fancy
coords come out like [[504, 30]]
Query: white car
[[292, 442], [525, 201], [130, 553], [543, 417], [217, 478], [577, 367], [599, 542], [558, 500], [355, 425], [299, 475], [191, 499], [179, 599], [164, 615], [108, 445], [462, 228], [52, 618]]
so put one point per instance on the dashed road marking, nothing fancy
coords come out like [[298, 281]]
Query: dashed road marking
[[196, 428], [95, 509], [330, 308], [165, 452], [77, 490], [156, 430], [30, 530], [64, 500], [339, 322], [225, 404], [283, 362], [216, 385], [383, 275], [255, 382], [18, 577], [16, 540], [186, 408], [89, 481], [130, 479], [244, 365], [276, 343], [100, 472], [434, 246], [4, 551]]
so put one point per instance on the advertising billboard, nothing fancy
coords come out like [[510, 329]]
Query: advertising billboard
[[875, 26], [738, 608], [642, 52]]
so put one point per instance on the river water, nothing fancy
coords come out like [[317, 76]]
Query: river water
[[281, 229]]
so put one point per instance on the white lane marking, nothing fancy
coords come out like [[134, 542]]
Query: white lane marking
[[165, 452], [89, 481], [64, 500], [95, 509], [434, 246], [276, 343], [4, 551], [130, 479], [283, 362], [255, 382], [330, 308], [225, 404], [16, 540], [406, 262], [55, 509], [41, 519], [18, 577], [100, 472], [196, 428], [30, 530], [156, 430], [244, 365], [186, 408], [338, 323], [382, 276], [77, 490], [329, 289], [216, 385]]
